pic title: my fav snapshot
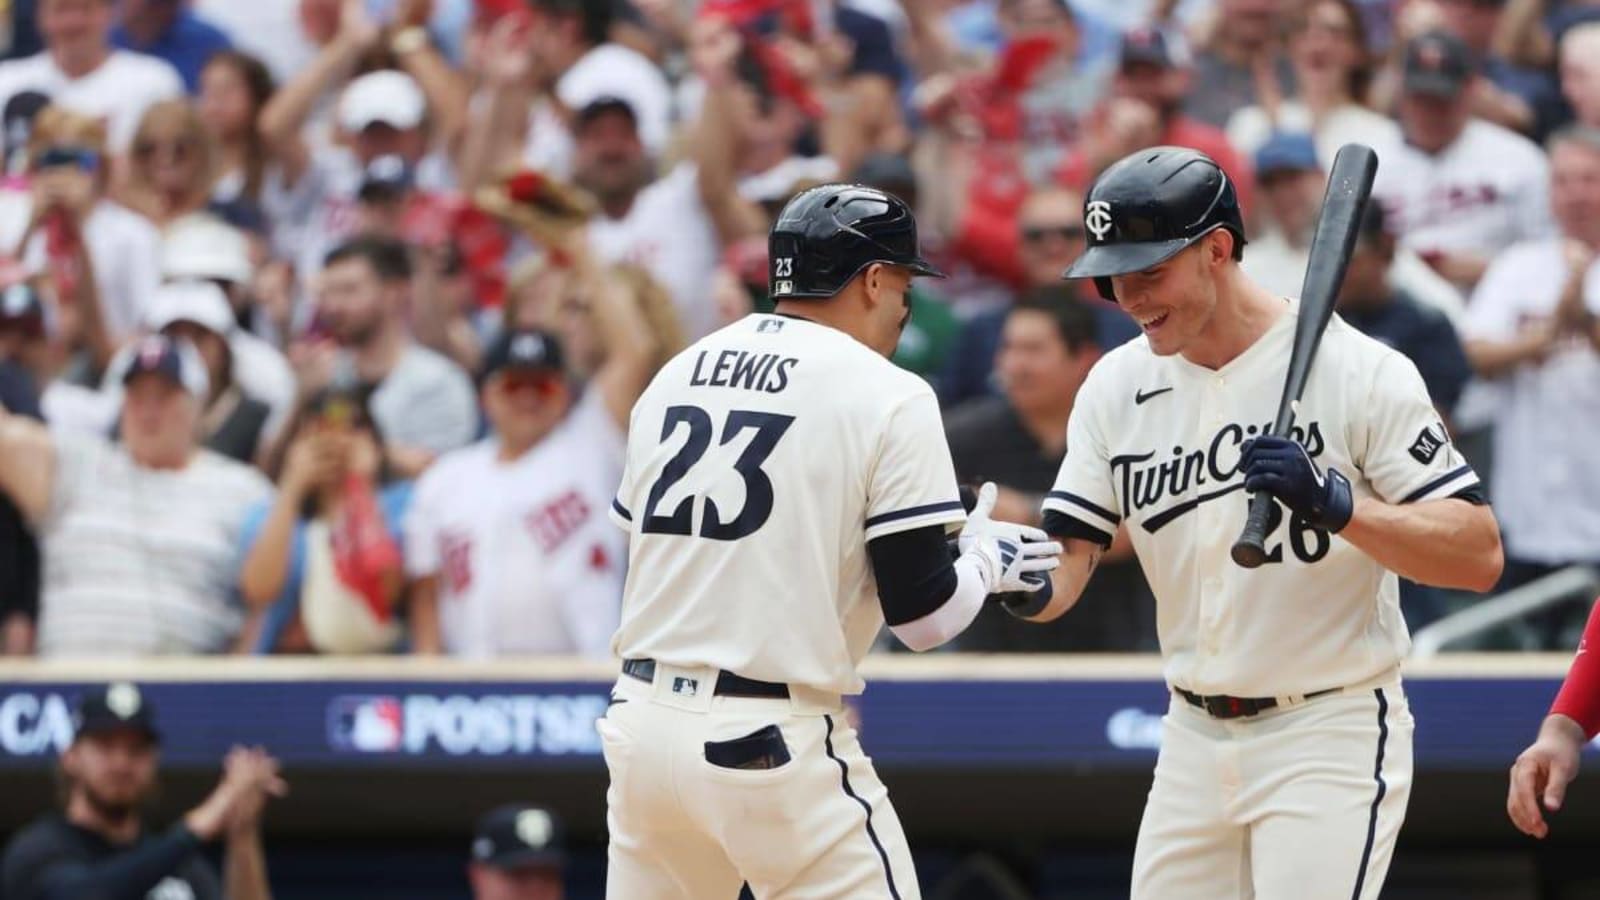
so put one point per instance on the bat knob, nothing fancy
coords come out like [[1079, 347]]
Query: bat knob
[[1248, 554]]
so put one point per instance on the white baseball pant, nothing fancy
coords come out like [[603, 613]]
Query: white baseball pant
[[818, 827], [1297, 803]]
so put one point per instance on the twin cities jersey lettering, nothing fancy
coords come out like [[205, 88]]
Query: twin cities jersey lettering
[[760, 462], [1154, 443]]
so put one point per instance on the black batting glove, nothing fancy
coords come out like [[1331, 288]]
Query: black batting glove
[[1281, 467]]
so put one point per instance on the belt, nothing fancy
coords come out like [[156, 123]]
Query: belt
[[1222, 706], [728, 684]]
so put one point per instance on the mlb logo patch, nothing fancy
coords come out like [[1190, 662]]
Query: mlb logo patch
[[686, 687], [769, 326], [782, 288], [1429, 443], [369, 724]]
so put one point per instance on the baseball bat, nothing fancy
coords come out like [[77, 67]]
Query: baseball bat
[[1349, 186]]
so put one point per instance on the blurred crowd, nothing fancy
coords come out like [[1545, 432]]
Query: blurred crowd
[[321, 320]]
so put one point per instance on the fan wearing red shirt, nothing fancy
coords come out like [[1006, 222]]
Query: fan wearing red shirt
[[1144, 109], [1541, 774]]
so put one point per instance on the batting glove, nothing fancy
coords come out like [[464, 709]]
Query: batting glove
[[1282, 468], [1006, 553]]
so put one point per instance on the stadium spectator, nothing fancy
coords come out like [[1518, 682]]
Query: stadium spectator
[[837, 63], [1049, 236], [507, 541], [171, 31], [413, 112], [1457, 188], [233, 422], [1523, 99], [1145, 108], [591, 309], [99, 845], [1018, 440], [1292, 180], [991, 135], [322, 568], [1370, 300], [1531, 329], [68, 210], [204, 249], [172, 164], [21, 324], [1240, 61], [38, 341], [422, 402], [234, 89], [1579, 69], [543, 66], [140, 538], [1333, 70], [80, 70], [518, 853]]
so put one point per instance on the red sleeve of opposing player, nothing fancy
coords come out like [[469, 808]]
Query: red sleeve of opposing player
[[1579, 699]]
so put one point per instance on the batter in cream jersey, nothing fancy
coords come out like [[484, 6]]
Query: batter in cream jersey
[[1285, 763], [788, 491]]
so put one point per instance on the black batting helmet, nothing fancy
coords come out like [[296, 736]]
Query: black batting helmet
[[1148, 206], [828, 234]]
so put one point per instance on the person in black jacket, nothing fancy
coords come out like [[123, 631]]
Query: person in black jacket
[[98, 847]]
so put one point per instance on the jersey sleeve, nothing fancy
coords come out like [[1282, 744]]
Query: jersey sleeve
[[1083, 503], [1408, 456], [913, 480]]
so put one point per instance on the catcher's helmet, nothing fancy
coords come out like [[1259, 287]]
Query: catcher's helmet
[[1148, 206], [827, 234]]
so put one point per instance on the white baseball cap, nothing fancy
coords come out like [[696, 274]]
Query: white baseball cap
[[201, 247], [614, 74], [387, 96], [200, 302]]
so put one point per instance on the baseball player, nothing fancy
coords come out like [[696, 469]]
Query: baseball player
[[1540, 776], [787, 491], [1285, 761]]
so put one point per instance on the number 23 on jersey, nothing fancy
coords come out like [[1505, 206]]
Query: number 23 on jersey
[[715, 523]]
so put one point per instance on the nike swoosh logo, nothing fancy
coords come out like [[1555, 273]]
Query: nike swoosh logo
[[1140, 397]]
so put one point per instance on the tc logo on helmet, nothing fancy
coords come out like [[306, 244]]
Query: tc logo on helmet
[[1097, 218]]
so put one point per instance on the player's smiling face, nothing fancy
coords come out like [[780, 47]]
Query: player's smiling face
[[1172, 302]]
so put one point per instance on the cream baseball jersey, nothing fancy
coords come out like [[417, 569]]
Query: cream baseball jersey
[[1154, 442], [760, 461]]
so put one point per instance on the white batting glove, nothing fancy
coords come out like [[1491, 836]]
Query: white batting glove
[[1005, 552]]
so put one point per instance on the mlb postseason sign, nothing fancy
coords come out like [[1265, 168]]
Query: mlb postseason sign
[[332, 723], [976, 724]]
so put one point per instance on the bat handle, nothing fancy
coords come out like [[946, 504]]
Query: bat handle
[[1250, 550]]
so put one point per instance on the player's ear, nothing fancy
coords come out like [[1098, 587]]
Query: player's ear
[[872, 280], [1219, 248]]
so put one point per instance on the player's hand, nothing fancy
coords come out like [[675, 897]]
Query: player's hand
[[1006, 552], [1541, 775], [1282, 468]]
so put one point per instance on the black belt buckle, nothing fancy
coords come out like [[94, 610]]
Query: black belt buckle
[[1225, 707], [1221, 706]]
